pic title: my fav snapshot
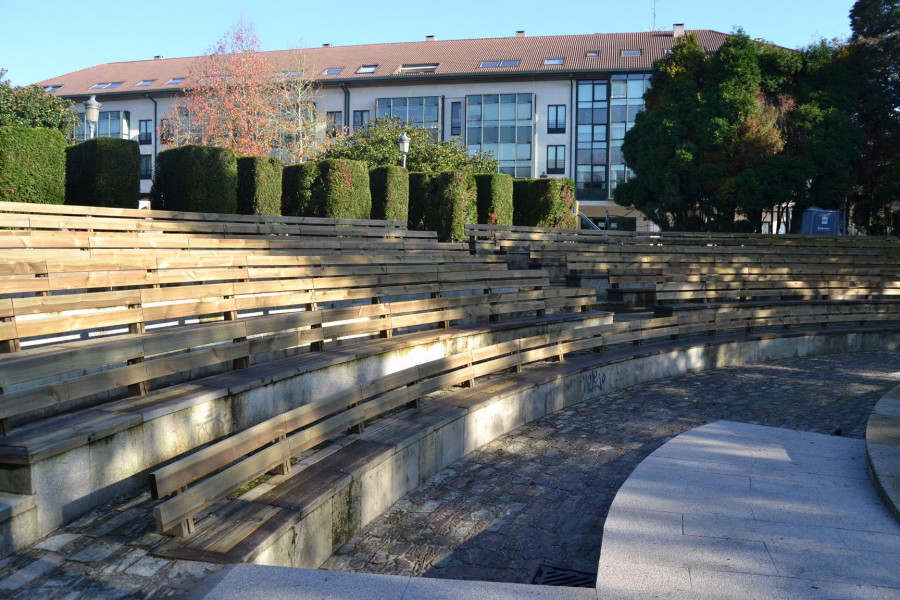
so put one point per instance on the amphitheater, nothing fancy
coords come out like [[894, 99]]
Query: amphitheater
[[221, 406]]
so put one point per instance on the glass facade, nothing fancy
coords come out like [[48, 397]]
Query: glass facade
[[502, 124], [606, 109], [422, 111]]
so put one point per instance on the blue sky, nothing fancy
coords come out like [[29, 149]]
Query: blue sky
[[45, 38]]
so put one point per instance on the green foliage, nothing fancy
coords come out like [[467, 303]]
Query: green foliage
[[32, 165], [455, 200], [495, 198], [104, 172], [422, 216], [554, 203], [390, 193], [377, 145], [296, 190], [259, 185], [725, 138], [31, 106], [197, 179], [342, 189]]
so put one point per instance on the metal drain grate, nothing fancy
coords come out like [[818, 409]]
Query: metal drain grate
[[547, 575]]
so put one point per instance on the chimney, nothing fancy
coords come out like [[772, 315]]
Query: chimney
[[429, 38], [678, 30], [520, 33], [158, 57], [326, 45]]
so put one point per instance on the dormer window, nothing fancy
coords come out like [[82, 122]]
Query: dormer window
[[419, 68], [106, 85], [631, 52], [367, 69]]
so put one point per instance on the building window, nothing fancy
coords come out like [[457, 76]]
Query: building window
[[455, 118], [556, 160], [110, 124], [145, 132], [556, 118], [553, 61], [333, 71], [367, 69], [360, 119], [334, 122], [489, 64], [422, 111], [417, 69], [52, 89], [146, 166], [175, 81], [144, 82], [502, 125], [630, 52], [592, 54], [106, 85]]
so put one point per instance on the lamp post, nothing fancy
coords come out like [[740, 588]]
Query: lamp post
[[91, 113], [403, 144]]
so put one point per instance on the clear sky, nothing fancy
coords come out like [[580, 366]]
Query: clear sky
[[45, 38]]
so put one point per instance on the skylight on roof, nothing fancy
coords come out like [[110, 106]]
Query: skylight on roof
[[175, 81], [50, 89], [367, 69], [418, 68], [509, 63], [553, 61], [288, 74], [630, 52], [592, 53], [333, 71], [106, 85], [489, 64], [144, 82]]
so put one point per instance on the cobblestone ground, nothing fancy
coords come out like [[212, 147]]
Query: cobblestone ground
[[539, 495]]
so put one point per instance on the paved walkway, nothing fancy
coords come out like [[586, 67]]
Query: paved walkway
[[730, 510], [538, 496]]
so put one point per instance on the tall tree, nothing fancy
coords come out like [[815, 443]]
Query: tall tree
[[245, 100], [876, 47], [377, 145], [31, 106]]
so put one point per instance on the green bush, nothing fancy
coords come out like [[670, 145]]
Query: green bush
[[32, 165], [196, 178], [259, 185], [390, 193], [342, 189], [544, 203], [495, 199], [297, 183], [104, 172], [456, 201], [420, 193]]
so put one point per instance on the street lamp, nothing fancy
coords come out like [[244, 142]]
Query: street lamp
[[403, 144], [91, 113]]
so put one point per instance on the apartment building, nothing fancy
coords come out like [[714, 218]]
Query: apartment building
[[555, 106]]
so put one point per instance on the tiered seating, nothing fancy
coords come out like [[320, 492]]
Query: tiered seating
[[96, 346]]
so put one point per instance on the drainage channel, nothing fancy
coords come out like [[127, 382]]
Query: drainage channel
[[547, 575]]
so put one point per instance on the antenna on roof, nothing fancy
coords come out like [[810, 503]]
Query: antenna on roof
[[653, 25]]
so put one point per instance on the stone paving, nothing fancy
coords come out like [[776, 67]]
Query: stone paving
[[538, 496]]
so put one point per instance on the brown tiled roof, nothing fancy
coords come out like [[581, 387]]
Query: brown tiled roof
[[453, 57]]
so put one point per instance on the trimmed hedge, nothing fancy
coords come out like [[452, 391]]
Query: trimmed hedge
[[421, 186], [495, 198], [342, 189], [104, 172], [456, 201], [544, 203], [196, 178], [390, 193], [32, 165], [259, 185], [297, 183]]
